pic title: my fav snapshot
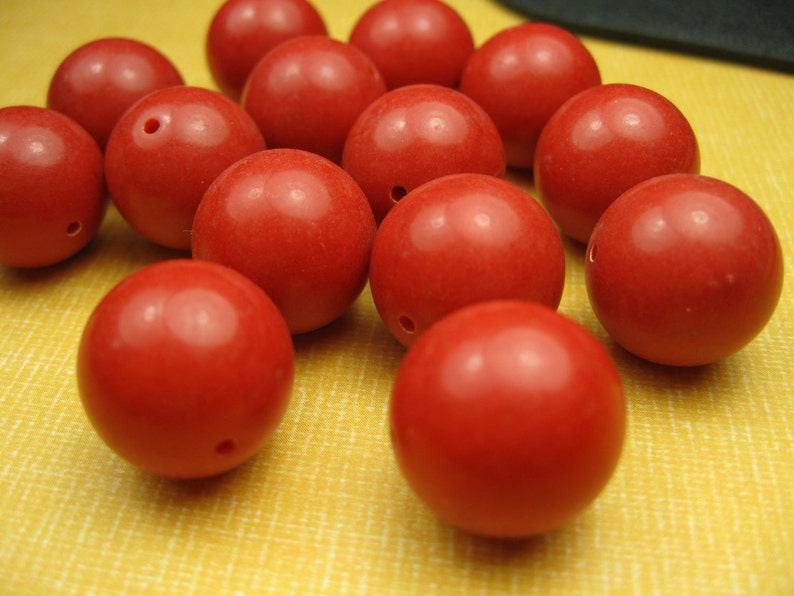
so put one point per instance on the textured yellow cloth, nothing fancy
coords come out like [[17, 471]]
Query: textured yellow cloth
[[702, 502]]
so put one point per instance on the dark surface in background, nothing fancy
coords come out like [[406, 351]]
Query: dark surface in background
[[758, 32]]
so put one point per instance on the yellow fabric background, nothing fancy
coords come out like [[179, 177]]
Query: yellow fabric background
[[701, 503]]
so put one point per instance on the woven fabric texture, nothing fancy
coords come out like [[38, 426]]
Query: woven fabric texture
[[701, 502]]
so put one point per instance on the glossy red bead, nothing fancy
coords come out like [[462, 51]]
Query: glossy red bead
[[684, 270], [457, 240], [243, 31], [521, 75], [185, 368], [307, 93], [603, 141], [99, 81], [414, 41], [296, 224], [507, 418], [165, 152], [415, 134], [52, 190]]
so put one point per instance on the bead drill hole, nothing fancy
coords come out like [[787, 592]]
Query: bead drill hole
[[397, 193], [74, 228], [151, 126], [225, 447], [407, 324]]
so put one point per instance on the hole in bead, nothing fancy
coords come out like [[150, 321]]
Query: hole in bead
[[226, 447], [74, 228], [151, 126], [397, 193], [407, 324], [593, 252]]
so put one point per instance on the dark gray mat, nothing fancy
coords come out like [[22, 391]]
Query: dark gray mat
[[758, 32]]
